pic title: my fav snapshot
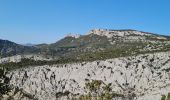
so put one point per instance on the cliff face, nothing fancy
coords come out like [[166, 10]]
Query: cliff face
[[146, 77]]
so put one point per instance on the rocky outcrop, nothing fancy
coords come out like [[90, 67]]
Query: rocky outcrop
[[145, 76], [73, 35], [128, 35], [18, 58], [18, 94], [119, 33]]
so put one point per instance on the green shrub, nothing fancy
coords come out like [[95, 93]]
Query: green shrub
[[98, 90], [163, 97]]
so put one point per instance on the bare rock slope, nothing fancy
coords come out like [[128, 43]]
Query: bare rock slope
[[142, 77]]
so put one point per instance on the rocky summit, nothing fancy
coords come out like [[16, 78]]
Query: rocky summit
[[102, 65]]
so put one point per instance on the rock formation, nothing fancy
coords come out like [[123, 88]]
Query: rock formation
[[146, 76]]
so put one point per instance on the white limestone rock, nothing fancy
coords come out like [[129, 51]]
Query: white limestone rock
[[73, 35], [146, 76], [18, 58]]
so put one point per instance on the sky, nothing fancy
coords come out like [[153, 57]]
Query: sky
[[47, 21]]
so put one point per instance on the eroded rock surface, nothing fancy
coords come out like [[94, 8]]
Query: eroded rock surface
[[146, 76]]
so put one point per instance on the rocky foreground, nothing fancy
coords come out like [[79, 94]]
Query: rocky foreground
[[142, 77]]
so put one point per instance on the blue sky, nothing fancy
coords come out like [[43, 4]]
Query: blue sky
[[46, 21]]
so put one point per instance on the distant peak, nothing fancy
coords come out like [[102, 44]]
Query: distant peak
[[29, 44]]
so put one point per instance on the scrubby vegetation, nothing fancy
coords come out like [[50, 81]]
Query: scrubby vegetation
[[122, 51], [87, 48], [8, 48], [166, 97], [4, 83], [98, 90]]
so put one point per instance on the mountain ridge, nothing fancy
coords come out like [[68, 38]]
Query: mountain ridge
[[99, 41]]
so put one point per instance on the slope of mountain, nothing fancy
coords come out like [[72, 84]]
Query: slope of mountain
[[97, 44], [142, 77], [8, 48], [102, 44]]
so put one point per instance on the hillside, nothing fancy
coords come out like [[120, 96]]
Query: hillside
[[96, 44], [142, 77], [104, 44], [8, 48]]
